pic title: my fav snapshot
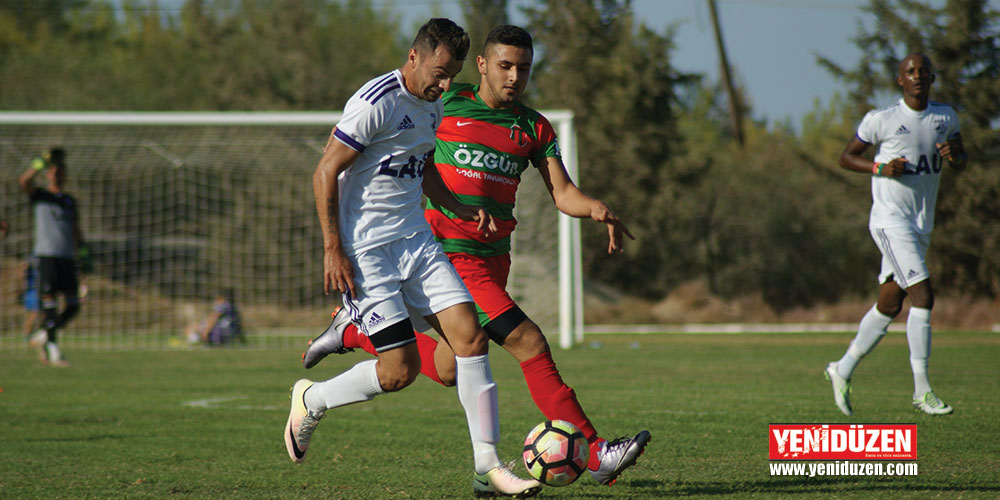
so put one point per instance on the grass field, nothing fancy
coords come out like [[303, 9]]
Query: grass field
[[208, 423]]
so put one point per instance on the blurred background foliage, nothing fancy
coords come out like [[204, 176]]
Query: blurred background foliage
[[776, 217]]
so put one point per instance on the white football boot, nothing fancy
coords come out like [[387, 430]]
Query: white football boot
[[618, 455], [502, 482], [930, 404], [55, 356], [841, 388], [330, 341], [301, 422]]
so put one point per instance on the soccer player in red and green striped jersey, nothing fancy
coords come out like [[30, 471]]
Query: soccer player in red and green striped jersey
[[486, 140]]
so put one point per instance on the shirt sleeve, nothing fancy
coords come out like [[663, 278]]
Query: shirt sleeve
[[868, 129], [954, 128], [548, 145], [362, 122]]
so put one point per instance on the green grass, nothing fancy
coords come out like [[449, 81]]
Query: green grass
[[115, 425]]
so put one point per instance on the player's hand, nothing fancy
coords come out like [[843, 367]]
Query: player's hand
[[487, 226], [616, 228], [338, 273], [894, 168], [38, 163], [950, 150]]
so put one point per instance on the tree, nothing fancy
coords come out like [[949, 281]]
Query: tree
[[211, 54], [618, 80], [481, 16]]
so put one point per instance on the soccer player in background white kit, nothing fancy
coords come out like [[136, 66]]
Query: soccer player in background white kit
[[379, 251], [914, 137]]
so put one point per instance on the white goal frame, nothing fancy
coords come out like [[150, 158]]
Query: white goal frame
[[571, 328]]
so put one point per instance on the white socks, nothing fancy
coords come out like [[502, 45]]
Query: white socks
[[53, 351], [476, 391], [918, 335], [478, 394], [870, 331], [358, 384]]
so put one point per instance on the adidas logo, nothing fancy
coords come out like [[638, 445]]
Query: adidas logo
[[376, 317], [406, 123], [911, 274], [902, 130]]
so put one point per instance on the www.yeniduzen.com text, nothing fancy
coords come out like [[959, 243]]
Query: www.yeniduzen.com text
[[844, 468]]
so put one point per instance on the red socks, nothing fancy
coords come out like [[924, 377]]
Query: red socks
[[426, 344], [354, 339], [557, 401]]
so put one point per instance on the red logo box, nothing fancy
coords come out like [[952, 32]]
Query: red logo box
[[842, 441]]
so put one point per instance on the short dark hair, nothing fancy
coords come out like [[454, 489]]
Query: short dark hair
[[57, 156], [509, 35], [441, 31]]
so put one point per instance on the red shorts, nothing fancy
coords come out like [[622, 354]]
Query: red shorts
[[486, 279]]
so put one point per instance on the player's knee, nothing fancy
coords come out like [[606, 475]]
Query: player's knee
[[508, 323], [890, 309], [476, 343], [924, 302], [399, 377], [922, 297], [526, 341]]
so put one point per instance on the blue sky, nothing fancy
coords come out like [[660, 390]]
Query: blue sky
[[771, 44]]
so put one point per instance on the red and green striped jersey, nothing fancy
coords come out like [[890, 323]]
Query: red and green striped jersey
[[480, 153]]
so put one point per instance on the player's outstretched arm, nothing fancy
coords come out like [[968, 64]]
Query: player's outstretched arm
[[337, 270], [570, 200], [37, 165], [438, 192], [954, 152]]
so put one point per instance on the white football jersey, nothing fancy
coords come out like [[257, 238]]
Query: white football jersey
[[899, 131], [380, 193]]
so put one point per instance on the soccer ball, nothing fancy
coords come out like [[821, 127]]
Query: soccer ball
[[556, 452]]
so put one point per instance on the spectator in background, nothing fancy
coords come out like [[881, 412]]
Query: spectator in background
[[222, 327]]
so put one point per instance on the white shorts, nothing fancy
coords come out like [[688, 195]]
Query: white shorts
[[904, 255], [406, 278]]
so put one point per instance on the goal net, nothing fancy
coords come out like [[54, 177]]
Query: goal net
[[178, 207]]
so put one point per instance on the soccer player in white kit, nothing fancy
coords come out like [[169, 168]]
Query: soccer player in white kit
[[914, 136], [379, 251]]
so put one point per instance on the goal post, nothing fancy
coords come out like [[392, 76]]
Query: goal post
[[179, 205], [570, 261]]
